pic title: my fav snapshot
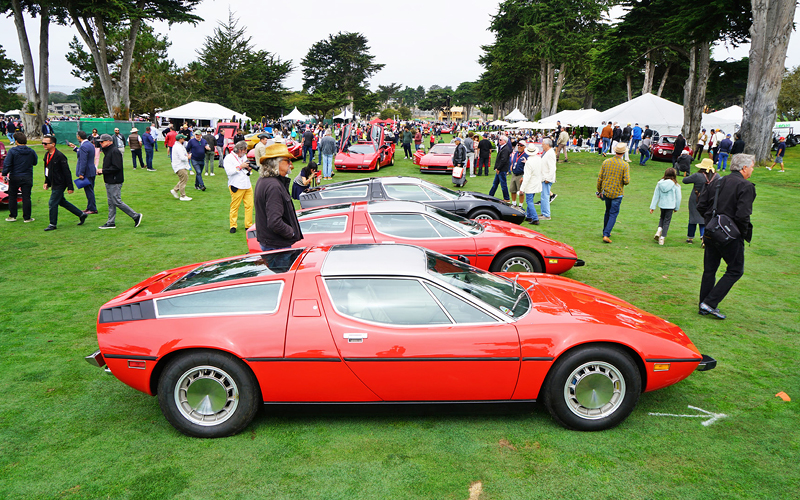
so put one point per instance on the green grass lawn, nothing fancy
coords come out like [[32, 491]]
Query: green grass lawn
[[67, 430]]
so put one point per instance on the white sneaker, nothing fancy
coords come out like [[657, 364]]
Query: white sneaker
[[661, 240], [185, 198], [769, 168], [213, 174], [658, 234], [174, 193], [206, 174]]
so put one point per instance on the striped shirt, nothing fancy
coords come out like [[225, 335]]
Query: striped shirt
[[614, 176]]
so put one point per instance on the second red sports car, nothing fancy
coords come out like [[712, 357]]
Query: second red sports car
[[492, 245], [365, 155], [663, 148], [438, 159]]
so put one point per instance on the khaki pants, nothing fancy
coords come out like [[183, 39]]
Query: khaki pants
[[183, 176], [560, 148], [245, 195]]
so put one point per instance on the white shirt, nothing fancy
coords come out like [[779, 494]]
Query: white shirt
[[532, 179], [180, 160], [549, 166], [237, 177]]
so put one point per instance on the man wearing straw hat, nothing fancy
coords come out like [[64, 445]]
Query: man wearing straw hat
[[705, 176], [614, 176], [276, 219]]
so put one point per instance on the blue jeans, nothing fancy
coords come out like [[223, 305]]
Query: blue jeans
[[643, 157], [327, 165], [606, 144], [11, 139], [723, 160], [501, 180], [545, 200], [308, 150], [634, 145], [148, 158], [612, 211], [198, 173], [530, 208]]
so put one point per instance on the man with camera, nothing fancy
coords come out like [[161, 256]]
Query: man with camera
[[731, 199], [238, 170]]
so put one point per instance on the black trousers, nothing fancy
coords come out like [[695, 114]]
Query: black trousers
[[57, 200], [407, 150], [483, 163], [733, 255], [699, 152], [24, 185]]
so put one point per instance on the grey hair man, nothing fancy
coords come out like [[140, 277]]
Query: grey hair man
[[734, 195], [276, 220], [549, 160], [327, 148], [502, 165]]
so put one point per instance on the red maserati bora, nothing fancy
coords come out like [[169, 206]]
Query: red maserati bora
[[381, 324]]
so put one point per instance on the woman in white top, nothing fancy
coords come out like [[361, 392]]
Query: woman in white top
[[238, 170]]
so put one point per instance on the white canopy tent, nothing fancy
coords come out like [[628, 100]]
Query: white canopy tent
[[727, 119], [294, 116], [344, 115], [13, 112], [501, 123], [199, 110], [576, 117], [523, 125], [661, 115], [515, 116]]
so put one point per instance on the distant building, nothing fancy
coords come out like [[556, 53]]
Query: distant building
[[456, 113], [64, 108]]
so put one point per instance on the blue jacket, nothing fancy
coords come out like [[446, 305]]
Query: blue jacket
[[667, 195], [196, 149], [725, 145], [637, 133], [518, 162], [19, 162], [148, 141], [85, 166]]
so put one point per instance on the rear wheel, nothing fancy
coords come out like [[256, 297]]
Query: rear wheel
[[208, 394], [517, 260], [483, 213], [592, 388]]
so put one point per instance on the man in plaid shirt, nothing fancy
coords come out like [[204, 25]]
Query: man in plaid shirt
[[614, 176]]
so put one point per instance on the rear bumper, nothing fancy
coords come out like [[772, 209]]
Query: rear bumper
[[708, 363], [579, 263], [96, 359]]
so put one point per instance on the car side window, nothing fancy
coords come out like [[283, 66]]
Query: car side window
[[324, 225], [408, 192], [262, 298], [434, 195], [415, 226], [460, 310], [345, 192], [402, 302], [444, 230]]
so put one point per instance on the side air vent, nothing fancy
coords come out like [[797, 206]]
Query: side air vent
[[129, 312]]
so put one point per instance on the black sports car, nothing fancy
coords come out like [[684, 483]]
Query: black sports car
[[464, 203]]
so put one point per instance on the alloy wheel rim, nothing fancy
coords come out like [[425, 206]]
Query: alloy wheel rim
[[517, 265], [594, 390], [206, 395]]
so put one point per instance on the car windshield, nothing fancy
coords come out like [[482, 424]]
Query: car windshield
[[471, 227], [665, 139], [442, 149], [361, 149], [251, 266], [503, 295]]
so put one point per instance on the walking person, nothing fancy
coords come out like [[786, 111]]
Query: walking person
[[209, 158], [531, 182], [667, 197], [196, 149], [18, 173], [119, 142], [135, 144], [548, 177], [180, 165], [732, 196], [644, 150], [501, 167], [778, 154], [484, 154], [725, 147], [276, 218], [148, 143], [327, 150], [238, 170], [469, 145], [518, 159], [58, 178], [702, 139], [407, 138], [614, 176], [85, 169], [113, 176], [704, 177]]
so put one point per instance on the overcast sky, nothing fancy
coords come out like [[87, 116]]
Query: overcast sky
[[425, 43]]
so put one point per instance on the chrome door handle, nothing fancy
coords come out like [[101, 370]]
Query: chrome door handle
[[355, 338]]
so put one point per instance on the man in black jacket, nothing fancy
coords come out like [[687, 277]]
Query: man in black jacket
[[680, 143], [501, 167], [18, 171], [276, 221], [113, 177], [736, 196], [58, 178]]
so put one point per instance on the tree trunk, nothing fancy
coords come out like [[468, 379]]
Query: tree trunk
[[770, 32], [649, 74], [694, 91], [630, 90], [559, 86], [663, 80], [546, 84], [35, 111], [588, 100]]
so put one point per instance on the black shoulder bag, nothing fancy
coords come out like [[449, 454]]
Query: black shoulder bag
[[721, 229]]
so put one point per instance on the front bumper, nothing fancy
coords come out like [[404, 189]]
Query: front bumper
[[579, 263], [708, 363]]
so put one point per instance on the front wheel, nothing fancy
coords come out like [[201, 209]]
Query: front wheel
[[483, 214], [592, 388], [517, 261], [208, 394]]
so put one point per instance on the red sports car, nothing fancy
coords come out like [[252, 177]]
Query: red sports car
[[438, 159], [365, 155], [663, 148], [380, 324], [487, 244]]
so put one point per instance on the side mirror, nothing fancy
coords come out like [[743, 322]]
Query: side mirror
[[462, 258]]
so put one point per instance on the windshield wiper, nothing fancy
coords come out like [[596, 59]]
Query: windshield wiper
[[519, 297]]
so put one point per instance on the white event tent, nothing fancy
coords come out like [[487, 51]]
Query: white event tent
[[294, 116], [662, 115], [727, 119], [576, 117], [344, 115], [501, 123], [199, 110], [515, 116]]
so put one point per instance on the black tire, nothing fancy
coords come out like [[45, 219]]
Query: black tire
[[225, 399], [483, 213], [609, 374], [516, 260]]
